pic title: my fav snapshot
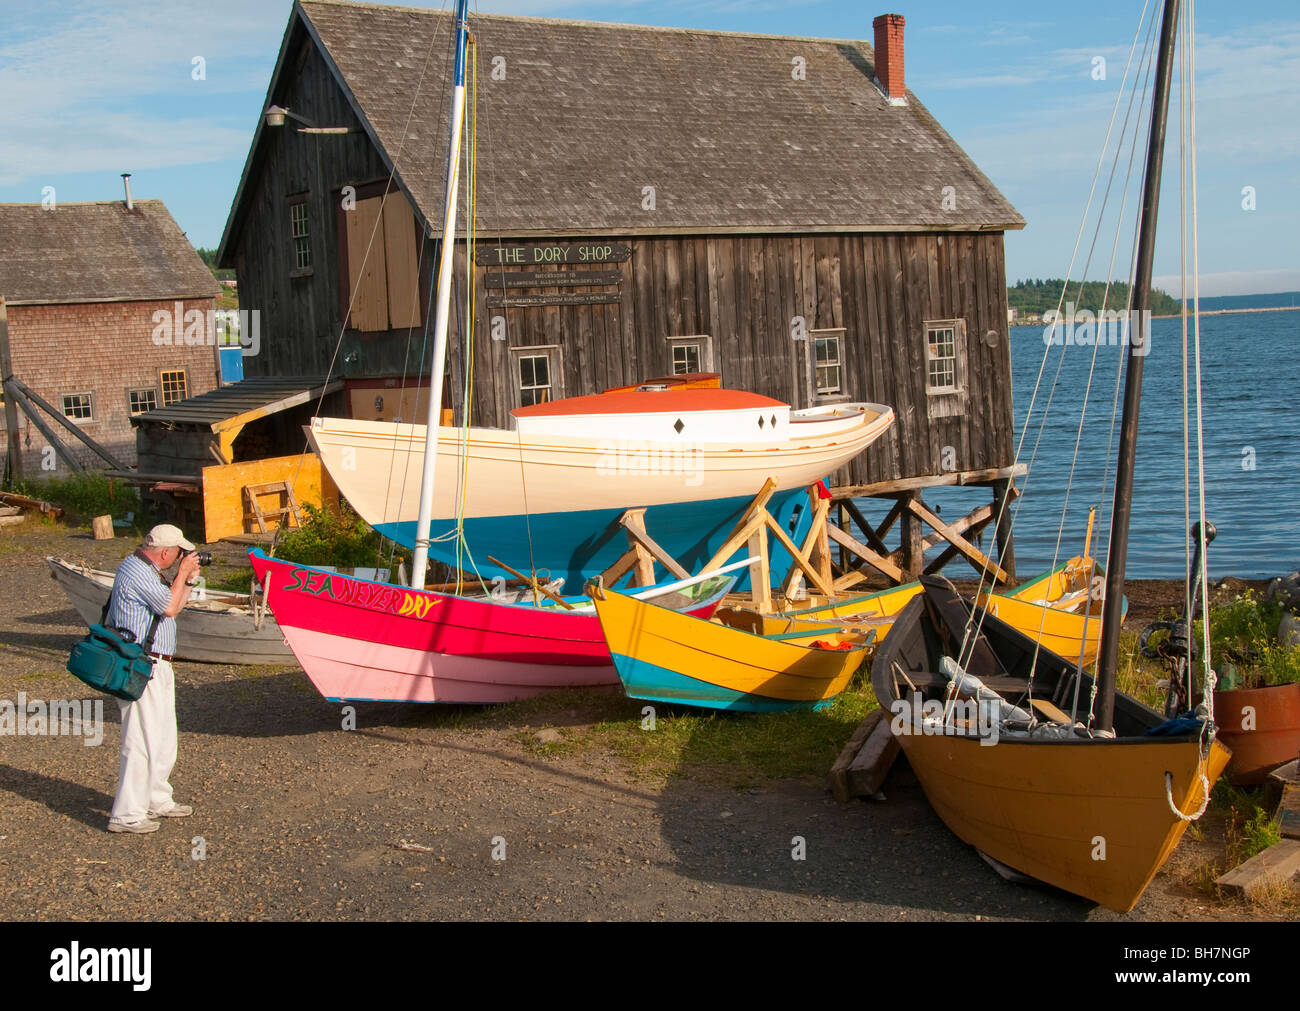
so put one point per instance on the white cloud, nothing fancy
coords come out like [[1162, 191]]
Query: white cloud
[[92, 86]]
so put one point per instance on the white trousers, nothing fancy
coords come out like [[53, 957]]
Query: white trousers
[[148, 748]]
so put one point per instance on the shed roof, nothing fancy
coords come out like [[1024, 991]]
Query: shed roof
[[97, 252], [582, 117], [239, 403]]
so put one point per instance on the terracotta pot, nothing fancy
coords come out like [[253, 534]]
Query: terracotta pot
[[1262, 728]]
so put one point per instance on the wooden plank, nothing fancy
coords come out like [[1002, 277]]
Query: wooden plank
[[619, 569], [854, 545], [399, 256], [873, 539], [1288, 810], [929, 481], [760, 577], [867, 773], [31, 503], [366, 267], [839, 774], [973, 554], [816, 549], [800, 555], [634, 523], [752, 518], [1279, 862]]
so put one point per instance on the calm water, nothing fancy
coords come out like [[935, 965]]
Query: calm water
[[1251, 384]]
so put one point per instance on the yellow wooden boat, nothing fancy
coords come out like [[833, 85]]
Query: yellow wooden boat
[[1057, 605], [694, 662], [1060, 608], [1091, 814]]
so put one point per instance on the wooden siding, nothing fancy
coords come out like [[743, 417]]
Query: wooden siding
[[743, 291]]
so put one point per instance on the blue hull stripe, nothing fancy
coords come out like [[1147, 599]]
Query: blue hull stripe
[[644, 680], [579, 545]]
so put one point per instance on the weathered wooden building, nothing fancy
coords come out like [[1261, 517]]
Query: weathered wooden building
[[647, 201], [95, 302]]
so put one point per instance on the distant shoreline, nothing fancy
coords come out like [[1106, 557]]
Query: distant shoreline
[[1225, 312], [1037, 320]]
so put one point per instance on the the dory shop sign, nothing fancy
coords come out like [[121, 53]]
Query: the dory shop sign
[[554, 253]]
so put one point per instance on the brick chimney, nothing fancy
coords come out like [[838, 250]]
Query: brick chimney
[[889, 57]]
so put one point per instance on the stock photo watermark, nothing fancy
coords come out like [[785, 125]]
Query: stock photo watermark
[[180, 327], [82, 718], [639, 456], [913, 716], [1108, 328]]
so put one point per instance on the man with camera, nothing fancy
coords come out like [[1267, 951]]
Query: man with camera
[[141, 595]]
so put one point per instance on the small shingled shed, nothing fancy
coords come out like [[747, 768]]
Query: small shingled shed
[[81, 289], [198, 458]]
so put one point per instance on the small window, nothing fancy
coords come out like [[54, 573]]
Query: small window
[[830, 363], [139, 401], [686, 359], [78, 406], [534, 379], [941, 357], [300, 234], [173, 387], [691, 353]]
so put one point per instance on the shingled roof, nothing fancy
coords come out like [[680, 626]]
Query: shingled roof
[[589, 114], [98, 252]]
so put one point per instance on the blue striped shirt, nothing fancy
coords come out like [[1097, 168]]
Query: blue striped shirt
[[138, 594]]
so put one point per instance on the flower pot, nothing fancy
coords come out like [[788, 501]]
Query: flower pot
[[1262, 728]]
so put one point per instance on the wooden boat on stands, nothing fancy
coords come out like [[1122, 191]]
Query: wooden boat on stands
[[216, 627], [692, 456], [1089, 813], [666, 656], [367, 641], [1019, 751]]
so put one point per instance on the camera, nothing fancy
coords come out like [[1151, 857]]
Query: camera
[[204, 557]]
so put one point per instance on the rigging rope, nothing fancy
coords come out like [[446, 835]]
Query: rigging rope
[[974, 624]]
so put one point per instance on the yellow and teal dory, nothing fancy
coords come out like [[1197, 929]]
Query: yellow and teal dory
[[662, 658]]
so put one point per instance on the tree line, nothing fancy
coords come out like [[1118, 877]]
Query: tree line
[[1037, 296]]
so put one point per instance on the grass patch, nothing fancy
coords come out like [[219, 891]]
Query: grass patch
[[340, 538], [1136, 676], [85, 496], [1243, 638], [737, 749]]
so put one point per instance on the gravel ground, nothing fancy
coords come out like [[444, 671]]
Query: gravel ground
[[297, 819]]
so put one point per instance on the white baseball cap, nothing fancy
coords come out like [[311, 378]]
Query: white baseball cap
[[167, 536]]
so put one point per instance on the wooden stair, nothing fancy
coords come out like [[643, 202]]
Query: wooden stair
[[288, 511]]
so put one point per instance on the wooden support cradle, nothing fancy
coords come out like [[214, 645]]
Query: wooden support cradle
[[811, 561]]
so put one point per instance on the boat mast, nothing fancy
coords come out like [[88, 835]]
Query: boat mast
[[420, 560], [1139, 345]]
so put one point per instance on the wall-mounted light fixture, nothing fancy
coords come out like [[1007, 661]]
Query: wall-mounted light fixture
[[276, 115]]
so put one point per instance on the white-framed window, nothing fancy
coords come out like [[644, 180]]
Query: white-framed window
[[79, 406], [300, 234], [174, 386], [943, 353], [828, 359], [686, 358], [139, 401], [537, 374], [693, 353]]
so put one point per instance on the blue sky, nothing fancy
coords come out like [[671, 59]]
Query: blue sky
[[93, 89]]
